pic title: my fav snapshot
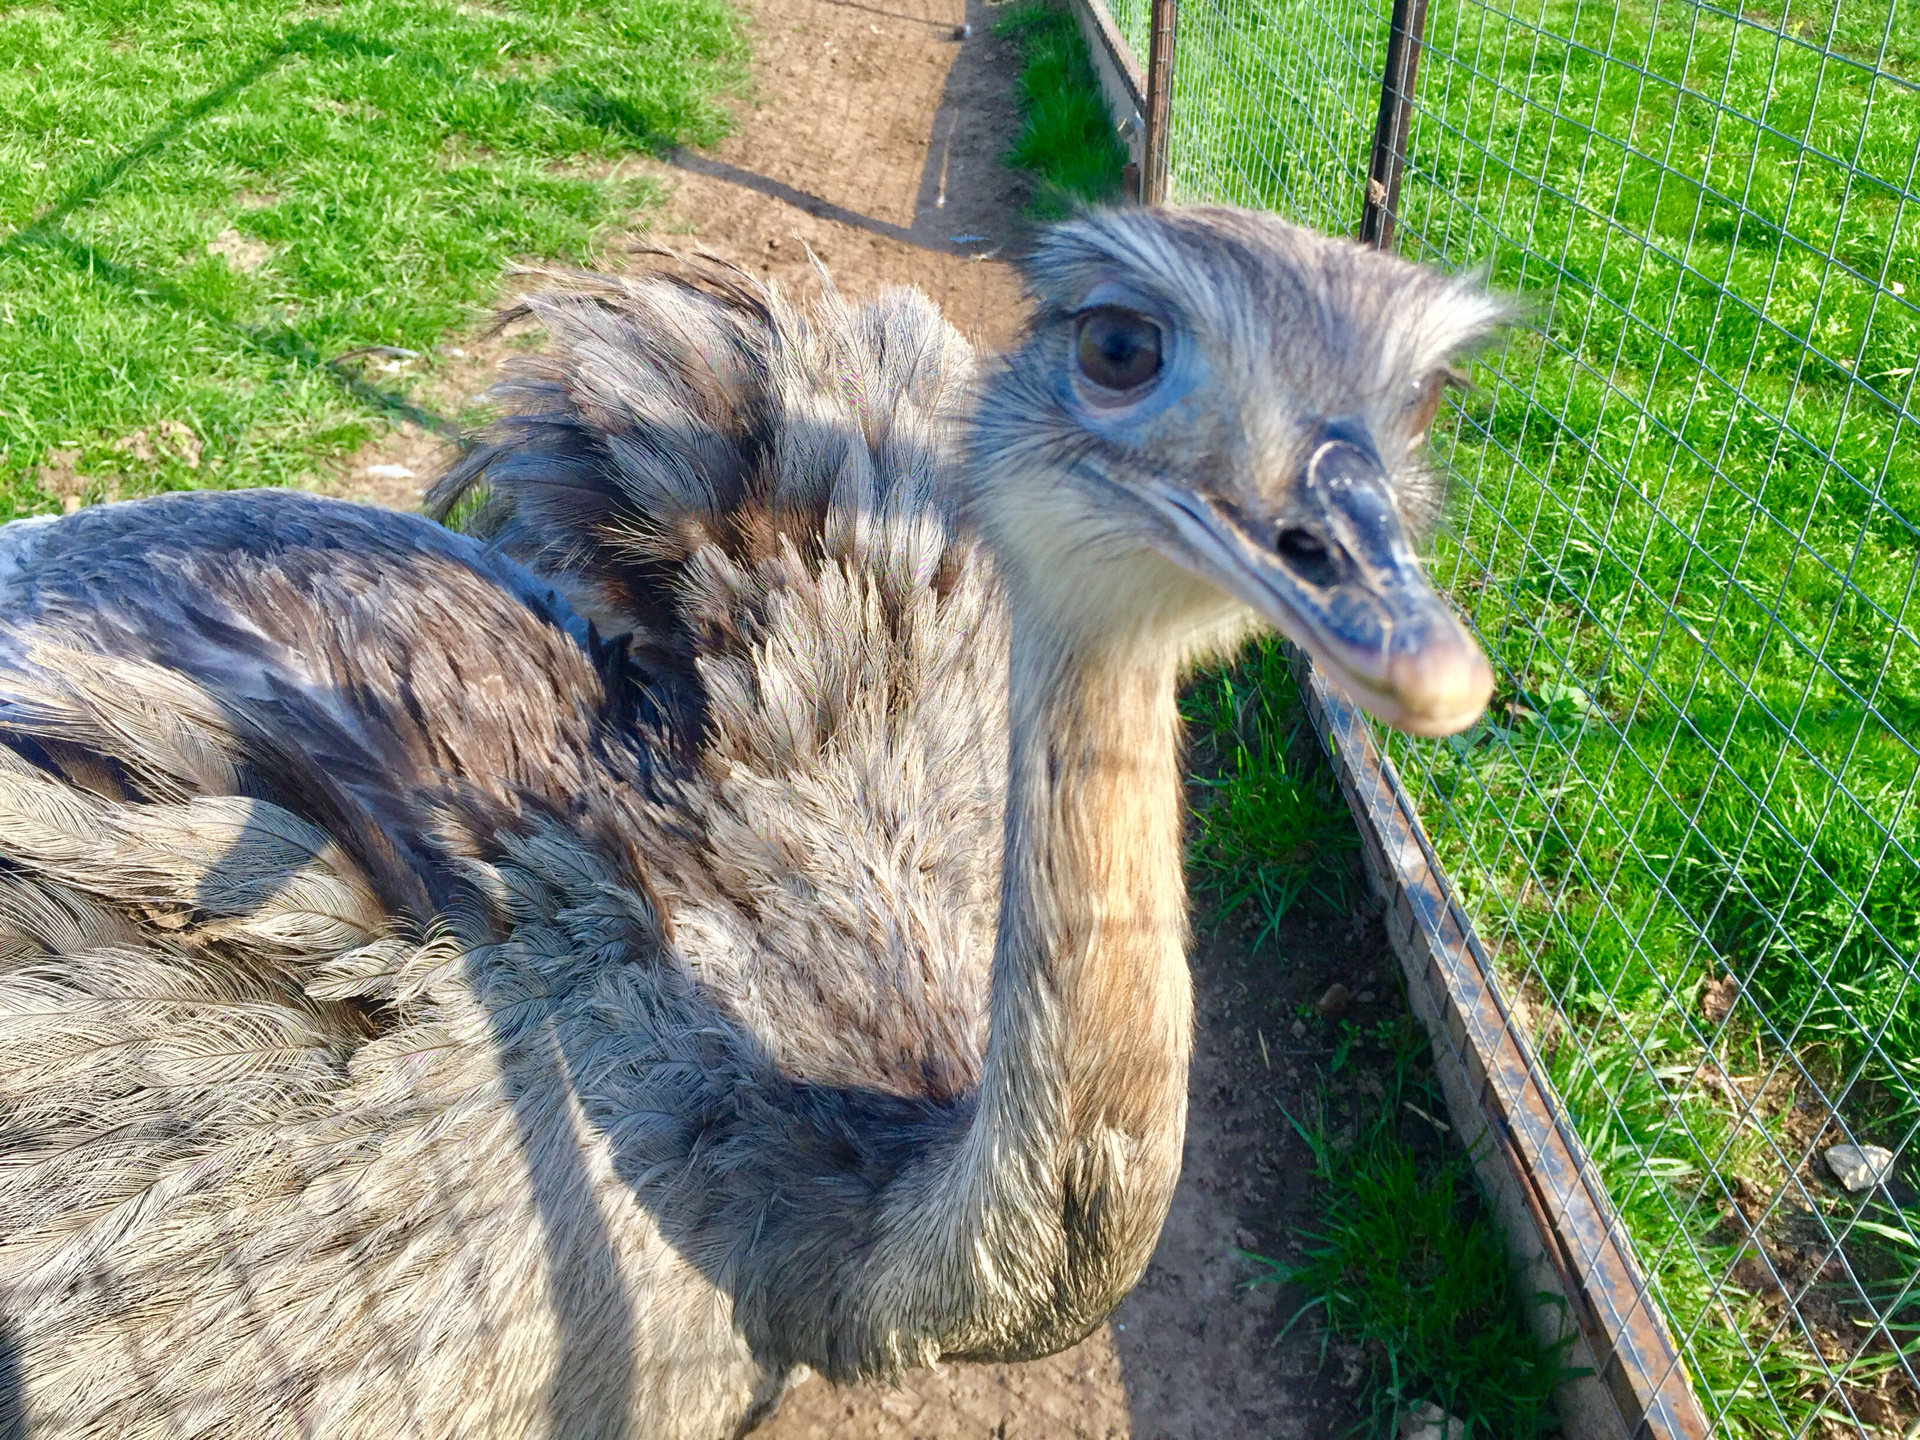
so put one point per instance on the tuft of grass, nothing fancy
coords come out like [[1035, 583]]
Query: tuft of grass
[[1409, 1266], [1066, 139], [1270, 828], [203, 203]]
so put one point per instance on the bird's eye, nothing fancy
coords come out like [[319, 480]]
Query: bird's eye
[[1119, 350]]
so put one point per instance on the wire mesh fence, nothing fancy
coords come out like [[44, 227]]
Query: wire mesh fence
[[1684, 526]]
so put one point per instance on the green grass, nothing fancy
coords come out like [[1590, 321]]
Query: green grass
[[363, 171], [1270, 828], [1687, 530], [1686, 519], [1066, 140], [1408, 1265]]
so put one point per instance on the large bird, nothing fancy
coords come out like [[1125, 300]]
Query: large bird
[[731, 923]]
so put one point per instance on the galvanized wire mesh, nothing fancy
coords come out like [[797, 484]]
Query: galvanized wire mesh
[[1272, 102], [1686, 506]]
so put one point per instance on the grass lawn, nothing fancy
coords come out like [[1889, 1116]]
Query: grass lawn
[[1687, 527], [205, 202]]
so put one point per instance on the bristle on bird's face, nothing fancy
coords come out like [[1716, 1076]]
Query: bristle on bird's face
[[1236, 407]]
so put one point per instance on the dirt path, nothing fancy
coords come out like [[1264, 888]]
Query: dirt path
[[873, 136]]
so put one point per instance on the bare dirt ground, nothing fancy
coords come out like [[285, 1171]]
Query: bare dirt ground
[[871, 136]]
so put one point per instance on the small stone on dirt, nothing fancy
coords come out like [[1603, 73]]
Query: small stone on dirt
[[1333, 1004], [1859, 1167], [1716, 1001], [1298, 1029], [1366, 997], [388, 472], [1427, 1421]]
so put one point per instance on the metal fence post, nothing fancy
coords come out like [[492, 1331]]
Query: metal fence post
[[1409, 26], [1153, 184]]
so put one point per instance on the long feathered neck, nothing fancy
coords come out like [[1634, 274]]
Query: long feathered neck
[[1053, 1198]]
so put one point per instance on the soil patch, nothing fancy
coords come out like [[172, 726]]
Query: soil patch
[[873, 139]]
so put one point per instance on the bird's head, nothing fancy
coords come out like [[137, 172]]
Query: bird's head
[[1216, 418]]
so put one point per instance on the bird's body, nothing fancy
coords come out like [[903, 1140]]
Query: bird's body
[[426, 1013]]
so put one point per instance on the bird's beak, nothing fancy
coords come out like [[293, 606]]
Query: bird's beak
[[1336, 574]]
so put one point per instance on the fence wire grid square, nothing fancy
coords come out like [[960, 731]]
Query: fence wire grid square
[[1685, 499]]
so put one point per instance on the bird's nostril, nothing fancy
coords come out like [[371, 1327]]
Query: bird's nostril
[[1307, 555]]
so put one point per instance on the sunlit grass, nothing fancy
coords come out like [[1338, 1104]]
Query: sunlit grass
[[202, 203]]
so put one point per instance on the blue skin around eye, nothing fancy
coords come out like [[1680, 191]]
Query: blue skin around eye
[[1183, 374]]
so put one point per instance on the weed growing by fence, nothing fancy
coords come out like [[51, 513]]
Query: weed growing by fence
[[1066, 141], [1408, 1264], [1269, 826], [201, 203]]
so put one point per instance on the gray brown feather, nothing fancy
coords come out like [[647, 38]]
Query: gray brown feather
[[543, 988]]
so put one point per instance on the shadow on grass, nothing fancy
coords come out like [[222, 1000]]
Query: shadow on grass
[[302, 39], [274, 342], [45, 233]]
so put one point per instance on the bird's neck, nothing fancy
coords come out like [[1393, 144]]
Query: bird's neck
[[1057, 1194]]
